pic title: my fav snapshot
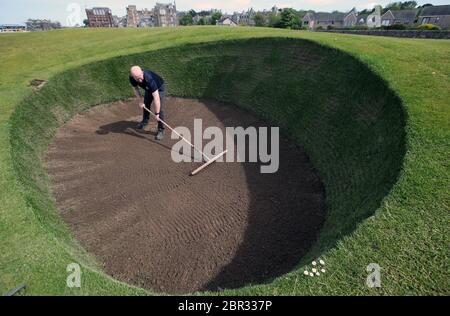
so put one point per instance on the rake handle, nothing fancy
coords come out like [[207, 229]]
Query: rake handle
[[176, 133]]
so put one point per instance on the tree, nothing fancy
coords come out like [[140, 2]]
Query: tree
[[367, 11], [187, 19], [409, 5], [201, 21], [290, 19], [274, 19], [216, 17], [86, 22], [260, 19], [401, 5]]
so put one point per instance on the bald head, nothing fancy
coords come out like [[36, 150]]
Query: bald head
[[137, 73]]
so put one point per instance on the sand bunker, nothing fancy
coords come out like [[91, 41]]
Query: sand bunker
[[149, 224]]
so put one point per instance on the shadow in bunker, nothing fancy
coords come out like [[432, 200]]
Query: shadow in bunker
[[286, 210], [130, 128]]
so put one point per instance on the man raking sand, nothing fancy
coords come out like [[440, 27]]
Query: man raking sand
[[155, 90]]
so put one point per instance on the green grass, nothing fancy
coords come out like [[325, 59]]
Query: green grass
[[375, 121]]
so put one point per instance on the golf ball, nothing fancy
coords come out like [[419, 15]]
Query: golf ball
[[311, 274], [306, 273], [317, 273], [322, 262], [314, 270], [323, 270], [314, 263]]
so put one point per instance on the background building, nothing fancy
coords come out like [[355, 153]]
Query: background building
[[12, 28], [147, 18], [100, 17], [374, 18], [438, 15], [227, 21], [165, 14], [42, 25], [395, 17], [119, 21], [323, 20], [132, 16], [247, 18], [203, 17]]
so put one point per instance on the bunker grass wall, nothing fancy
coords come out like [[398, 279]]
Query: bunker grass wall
[[348, 120]]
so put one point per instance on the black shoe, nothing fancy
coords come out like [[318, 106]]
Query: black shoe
[[142, 124], [160, 135]]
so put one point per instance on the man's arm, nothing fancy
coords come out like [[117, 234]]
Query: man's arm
[[157, 103], [138, 95]]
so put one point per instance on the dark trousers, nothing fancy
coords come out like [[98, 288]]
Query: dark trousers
[[148, 99]]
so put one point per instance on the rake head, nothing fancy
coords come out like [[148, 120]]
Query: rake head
[[211, 161]]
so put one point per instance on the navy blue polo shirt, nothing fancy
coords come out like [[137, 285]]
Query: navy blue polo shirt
[[151, 83]]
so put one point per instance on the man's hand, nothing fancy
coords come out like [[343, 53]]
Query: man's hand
[[157, 117], [141, 105]]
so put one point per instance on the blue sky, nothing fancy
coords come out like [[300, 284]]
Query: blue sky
[[67, 11]]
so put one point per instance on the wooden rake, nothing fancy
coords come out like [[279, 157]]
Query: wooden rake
[[207, 161]]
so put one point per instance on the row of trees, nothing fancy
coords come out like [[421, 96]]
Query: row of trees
[[405, 5], [286, 18], [188, 18], [400, 6]]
